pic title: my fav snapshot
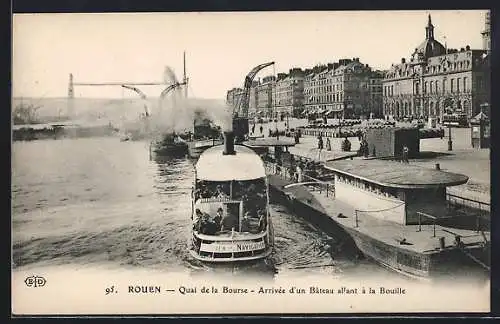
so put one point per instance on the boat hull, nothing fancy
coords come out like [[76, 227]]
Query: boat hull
[[176, 150], [416, 265], [435, 264], [230, 260], [200, 254]]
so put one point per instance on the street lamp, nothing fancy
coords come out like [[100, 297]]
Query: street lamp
[[287, 122], [450, 142]]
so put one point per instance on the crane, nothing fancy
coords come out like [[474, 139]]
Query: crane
[[141, 94], [162, 95], [240, 112], [170, 88]]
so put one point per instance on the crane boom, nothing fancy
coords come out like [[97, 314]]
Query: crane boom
[[170, 88], [141, 94], [240, 112], [241, 109]]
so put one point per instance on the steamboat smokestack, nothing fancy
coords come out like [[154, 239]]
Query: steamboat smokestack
[[229, 143]]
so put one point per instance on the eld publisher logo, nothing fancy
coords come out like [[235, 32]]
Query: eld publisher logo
[[35, 281]]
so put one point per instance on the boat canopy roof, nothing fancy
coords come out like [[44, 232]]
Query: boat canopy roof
[[213, 165], [396, 174]]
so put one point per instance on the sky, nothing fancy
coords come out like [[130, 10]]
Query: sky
[[221, 48]]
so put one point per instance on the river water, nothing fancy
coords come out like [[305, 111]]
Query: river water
[[101, 202]]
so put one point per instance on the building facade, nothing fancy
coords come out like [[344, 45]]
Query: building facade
[[375, 103], [486, 33], [253, 100], [289, 94], [346, 89], [233, 96], [264, 95], [436, 80]]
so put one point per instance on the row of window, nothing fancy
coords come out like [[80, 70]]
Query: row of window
[[339, 97], [325, 81], [456, 66], [368, 186], [432, 87], [461, 65], [427, 109], [312, 108]]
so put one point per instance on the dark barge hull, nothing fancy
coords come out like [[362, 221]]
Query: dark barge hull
[[195, 149], [173, 150], [426, 266], [435, 264]]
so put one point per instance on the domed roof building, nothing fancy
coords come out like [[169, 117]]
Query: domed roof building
[[430, 47], [437, 80]]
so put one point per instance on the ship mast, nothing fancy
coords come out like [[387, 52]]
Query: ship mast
[[185, 78]]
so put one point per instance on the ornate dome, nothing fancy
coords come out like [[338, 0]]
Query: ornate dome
[[430, 47]]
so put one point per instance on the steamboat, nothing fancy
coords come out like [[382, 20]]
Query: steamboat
[[230, 205], [205, 135]]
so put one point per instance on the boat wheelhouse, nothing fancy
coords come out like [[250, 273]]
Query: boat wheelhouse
[[230, 205], [205, 135]]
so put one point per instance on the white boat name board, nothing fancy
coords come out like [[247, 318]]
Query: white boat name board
[[229, 247]]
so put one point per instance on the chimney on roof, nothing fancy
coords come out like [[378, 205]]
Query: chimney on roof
[[403, 60], [229, 143]]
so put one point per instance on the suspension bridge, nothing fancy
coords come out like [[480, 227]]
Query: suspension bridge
[[169, 82]]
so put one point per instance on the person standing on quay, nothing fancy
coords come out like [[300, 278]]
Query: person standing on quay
[[299, 172], [328, 144], [405, 154], [320, 142]]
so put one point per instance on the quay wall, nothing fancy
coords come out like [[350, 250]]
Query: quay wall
[[31, 134]]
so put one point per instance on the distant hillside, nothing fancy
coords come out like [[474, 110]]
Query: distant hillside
[[174, 115], [113, 109]]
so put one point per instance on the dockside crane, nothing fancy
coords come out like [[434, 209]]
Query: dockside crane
[[240, 112], [142, 95], [170, 88]]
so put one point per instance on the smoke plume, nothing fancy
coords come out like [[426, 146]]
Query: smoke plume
[[175, 113]]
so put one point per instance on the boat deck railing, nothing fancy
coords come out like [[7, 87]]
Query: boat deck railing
[[478, 225], [314, 184], [455, 201], [359, 211]]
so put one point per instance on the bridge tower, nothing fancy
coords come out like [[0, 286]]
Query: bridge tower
[[71, 96], [185, 79]]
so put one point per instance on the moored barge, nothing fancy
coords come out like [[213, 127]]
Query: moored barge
[[397, 214]]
